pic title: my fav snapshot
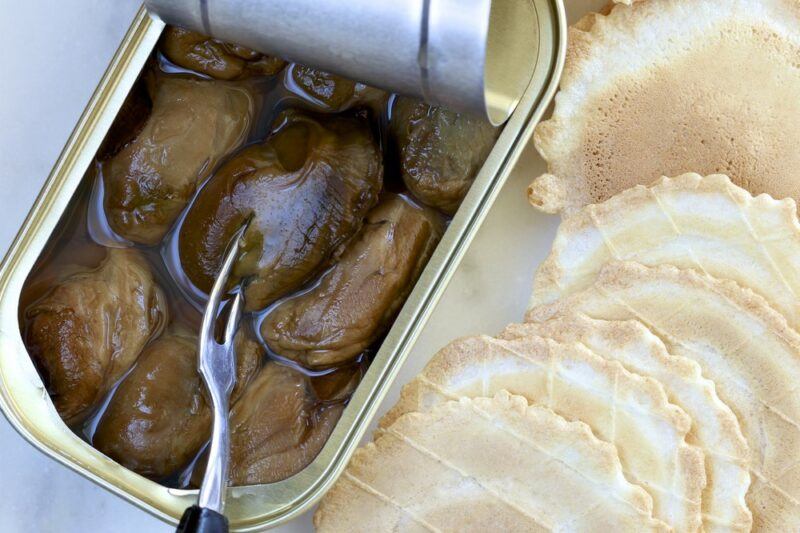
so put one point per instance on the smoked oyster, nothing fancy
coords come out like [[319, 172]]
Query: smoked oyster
[[332, 92], [306, 189], [192, 126], [90, 328], [278, 427], [440, 151], [215, 58], [356, 300], [158, 419]]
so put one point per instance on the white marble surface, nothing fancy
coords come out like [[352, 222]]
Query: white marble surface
[[53, 53]]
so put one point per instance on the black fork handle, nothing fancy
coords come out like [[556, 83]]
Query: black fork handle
[[202, 520]]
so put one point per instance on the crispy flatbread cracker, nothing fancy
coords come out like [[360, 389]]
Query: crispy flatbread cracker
[[714, 426], [706, 223], [625, 409], [745, 347], [488, 464], [674, 86]]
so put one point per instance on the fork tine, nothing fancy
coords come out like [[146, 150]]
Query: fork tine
[[232, 323], [218, 290]]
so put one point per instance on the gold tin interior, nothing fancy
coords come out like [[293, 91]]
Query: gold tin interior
[[24, 399]]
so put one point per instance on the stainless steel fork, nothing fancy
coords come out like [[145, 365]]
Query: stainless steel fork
[[217, 366]]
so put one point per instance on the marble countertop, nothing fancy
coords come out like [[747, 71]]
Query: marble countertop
[[53, 54]]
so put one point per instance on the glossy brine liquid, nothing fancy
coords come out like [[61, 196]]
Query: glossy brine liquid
[[348, 190]]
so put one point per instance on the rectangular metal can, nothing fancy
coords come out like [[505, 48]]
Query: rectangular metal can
[[24, 398]]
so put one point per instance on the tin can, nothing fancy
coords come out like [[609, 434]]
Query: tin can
[[24, 398], [471, 56]]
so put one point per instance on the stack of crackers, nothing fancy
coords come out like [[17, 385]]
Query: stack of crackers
[[653, 385]]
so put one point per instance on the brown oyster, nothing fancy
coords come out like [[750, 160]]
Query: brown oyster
[[129, 121], [218, 59], [440, 151], [358, 298], [307, 189], [332, 92], [88, 330], [278, 427], [193, 124], [158, 419]]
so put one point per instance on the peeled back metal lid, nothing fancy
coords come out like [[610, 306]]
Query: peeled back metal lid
[[475, 56]]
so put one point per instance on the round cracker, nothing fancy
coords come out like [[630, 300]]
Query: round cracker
[[429, 472], [625, 409], [690, 221], [674, 86], [714, 426], [743, 345]]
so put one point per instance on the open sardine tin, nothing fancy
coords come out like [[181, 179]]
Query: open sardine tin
[[24, 398]]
